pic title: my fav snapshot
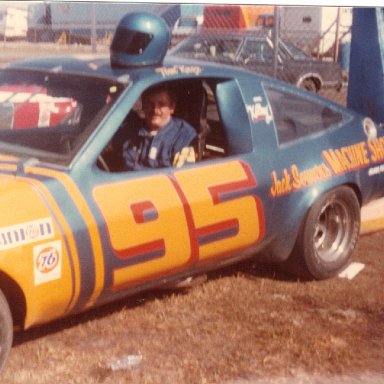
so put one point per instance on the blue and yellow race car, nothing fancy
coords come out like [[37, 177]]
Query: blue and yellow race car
[[278, 172]]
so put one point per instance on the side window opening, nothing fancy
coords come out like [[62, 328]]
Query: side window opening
[[296, 117], [216, 140], [202, 103], [192, 106], [207, 106], [256, 51], [195, 104]]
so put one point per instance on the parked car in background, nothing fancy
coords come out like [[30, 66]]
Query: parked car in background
[[254, 50]]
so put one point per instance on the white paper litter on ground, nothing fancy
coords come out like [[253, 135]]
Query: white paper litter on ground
[[351, 271], [124, 362]]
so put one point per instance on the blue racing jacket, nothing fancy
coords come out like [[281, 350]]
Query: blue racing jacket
[[144, 150]]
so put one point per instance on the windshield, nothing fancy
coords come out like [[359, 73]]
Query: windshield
[[295, 52], [49, 115]]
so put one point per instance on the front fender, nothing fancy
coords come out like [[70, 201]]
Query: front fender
[[33, 250]]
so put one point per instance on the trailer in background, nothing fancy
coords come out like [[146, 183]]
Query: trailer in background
[[75, 22], [234, 16], [315, 29]]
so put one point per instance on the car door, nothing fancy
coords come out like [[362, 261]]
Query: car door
[[168, 222]]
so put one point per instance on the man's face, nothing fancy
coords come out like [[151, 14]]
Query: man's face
[[157, 109]]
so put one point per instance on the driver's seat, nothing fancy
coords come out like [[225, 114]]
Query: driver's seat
[[191, 105]]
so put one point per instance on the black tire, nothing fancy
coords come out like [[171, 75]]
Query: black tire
[[328, 234], [6, 330], [309, 85]]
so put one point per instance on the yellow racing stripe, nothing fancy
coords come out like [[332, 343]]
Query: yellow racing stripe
[[8, 167]]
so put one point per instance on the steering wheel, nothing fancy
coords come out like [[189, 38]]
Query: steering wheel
[[102, 163]]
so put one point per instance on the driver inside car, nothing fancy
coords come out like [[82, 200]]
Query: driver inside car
[[159, 140]]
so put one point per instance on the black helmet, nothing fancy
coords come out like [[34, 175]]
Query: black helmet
[[141, 38]]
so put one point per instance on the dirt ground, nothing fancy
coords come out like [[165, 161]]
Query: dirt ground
[[248, 323]]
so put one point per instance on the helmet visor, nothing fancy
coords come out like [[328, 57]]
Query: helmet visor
[[130, 42]]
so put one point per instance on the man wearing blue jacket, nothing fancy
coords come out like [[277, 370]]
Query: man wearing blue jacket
[[163, 140]]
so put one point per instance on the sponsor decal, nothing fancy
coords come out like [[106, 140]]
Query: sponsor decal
[[348, 158], [47, 260], [336, 162], [355, 156], [258, 112], [26, 233], [376, 170], [376, 149], [179, 69], [294, 179]]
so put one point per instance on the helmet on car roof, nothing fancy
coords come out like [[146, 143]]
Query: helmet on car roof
[[141, 39]]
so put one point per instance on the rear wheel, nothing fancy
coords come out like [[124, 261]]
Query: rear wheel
[[328, 234], [309, 85], [6, 330]]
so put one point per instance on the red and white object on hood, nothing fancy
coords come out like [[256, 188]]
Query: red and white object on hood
[[29, 106]]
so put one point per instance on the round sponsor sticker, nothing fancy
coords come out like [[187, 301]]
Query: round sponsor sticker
[[47, 260], [32, 231], [370, 128]]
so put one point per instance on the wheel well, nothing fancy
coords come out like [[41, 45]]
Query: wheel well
[[15, 298], [352, 186], [315, 79], [357, 192]]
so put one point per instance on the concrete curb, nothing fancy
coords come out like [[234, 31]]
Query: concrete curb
[[372, 217]]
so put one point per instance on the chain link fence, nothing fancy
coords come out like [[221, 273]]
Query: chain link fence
[[308, 37]]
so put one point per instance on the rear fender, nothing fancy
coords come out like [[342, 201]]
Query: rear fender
[[281, 248]]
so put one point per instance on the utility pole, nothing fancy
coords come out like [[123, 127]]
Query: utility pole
[[93, 27], [276, 33], [337, 36]]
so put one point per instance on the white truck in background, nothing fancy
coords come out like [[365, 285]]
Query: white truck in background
[[315, 29], [13, 24]]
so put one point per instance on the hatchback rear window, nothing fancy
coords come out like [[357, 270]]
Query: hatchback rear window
[[296, 117]]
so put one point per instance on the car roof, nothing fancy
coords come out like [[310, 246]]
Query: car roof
[[88, 65], [100, 66]]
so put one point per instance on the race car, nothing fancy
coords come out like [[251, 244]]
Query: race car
[[280, 175]]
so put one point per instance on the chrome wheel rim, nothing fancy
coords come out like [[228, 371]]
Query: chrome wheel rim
[[332, 231]]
